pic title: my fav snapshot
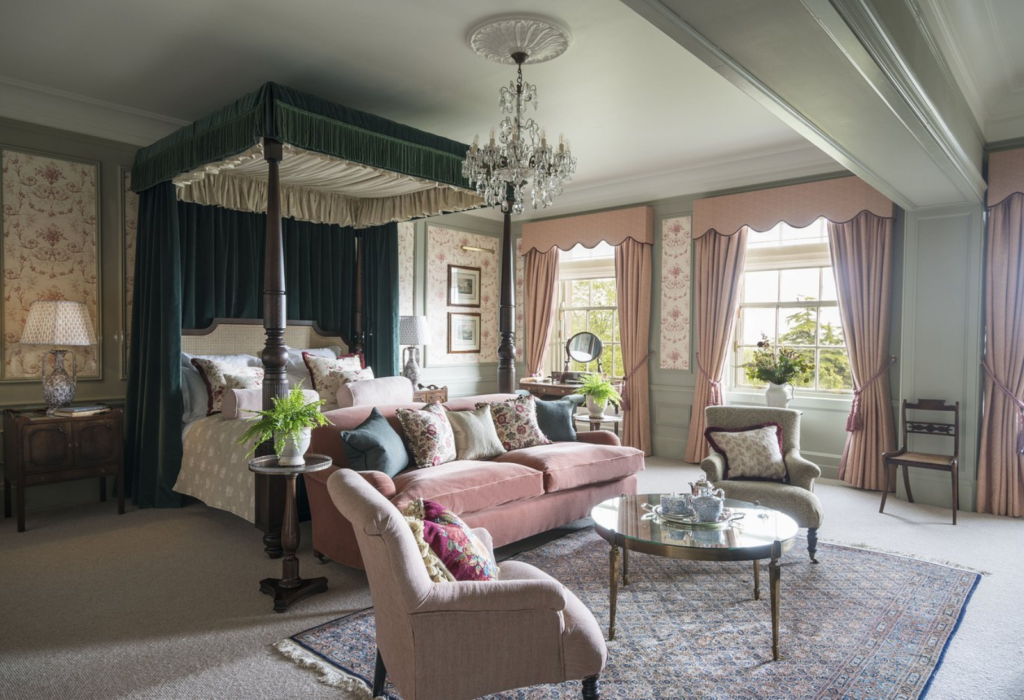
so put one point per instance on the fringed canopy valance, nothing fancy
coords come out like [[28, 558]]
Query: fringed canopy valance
[[611, 227], [1005, 175], [340, 166], [837, 200]]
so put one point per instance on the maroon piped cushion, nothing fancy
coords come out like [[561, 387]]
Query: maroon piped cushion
[[752, 453], [461, 552]]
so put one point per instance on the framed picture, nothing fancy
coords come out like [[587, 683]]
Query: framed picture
[[463, 286], [463, 333]]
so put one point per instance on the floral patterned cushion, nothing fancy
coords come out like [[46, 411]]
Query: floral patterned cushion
[[463, 554], [220, 376], [753, 452], [429, 435], [516, 423], [323, 378]]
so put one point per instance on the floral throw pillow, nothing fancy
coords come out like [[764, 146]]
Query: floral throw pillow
[[429, 435], [464, 556], [516, 423], [753, 452], [220, 376], [324, 374]]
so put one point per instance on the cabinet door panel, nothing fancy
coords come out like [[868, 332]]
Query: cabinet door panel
[[47, 447], [98, 442]]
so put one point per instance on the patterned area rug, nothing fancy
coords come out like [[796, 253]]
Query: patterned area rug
[[861, 624]]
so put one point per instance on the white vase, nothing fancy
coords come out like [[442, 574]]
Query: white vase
[[293, 452], [778, 395], [596, 409]]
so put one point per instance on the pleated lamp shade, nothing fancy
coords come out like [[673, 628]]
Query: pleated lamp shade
[[413, 330], [60, 323]]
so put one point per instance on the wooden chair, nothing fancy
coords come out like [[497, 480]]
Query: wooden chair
[[907, 459]]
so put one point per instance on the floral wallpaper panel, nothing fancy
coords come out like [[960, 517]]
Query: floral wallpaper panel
[[444, 248], [50, 232], [130, 224], [675, 293], [406, 266]]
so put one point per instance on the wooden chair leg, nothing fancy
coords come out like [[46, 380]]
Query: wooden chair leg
[[889, 473], [812, 542], [956, 492], [906, 483], [380, 674], [591, 688]]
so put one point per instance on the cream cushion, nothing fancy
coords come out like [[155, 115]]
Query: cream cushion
[[475, 436]]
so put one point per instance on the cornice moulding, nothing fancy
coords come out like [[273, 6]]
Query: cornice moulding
[[58, 109]]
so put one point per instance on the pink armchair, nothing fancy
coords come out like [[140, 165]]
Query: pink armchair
[[446, 641]]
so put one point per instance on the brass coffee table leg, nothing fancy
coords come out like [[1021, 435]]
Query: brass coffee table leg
[[614, 564], [625, 566], [757, 580], [774, 575]]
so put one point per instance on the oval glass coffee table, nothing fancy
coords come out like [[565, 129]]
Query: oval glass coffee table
[[628, 524]]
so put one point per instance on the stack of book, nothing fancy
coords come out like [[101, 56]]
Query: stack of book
[[80, 411]]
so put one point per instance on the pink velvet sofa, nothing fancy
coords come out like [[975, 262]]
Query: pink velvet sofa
[[515, 495]]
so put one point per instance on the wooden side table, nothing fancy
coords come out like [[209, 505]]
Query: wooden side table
[[595, 423], [40, 449], [430, 394], [290, 588]]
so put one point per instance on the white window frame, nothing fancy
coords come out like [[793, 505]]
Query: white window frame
[[571, 271]]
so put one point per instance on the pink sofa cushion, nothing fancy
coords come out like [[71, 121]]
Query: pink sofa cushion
[[466, 486], [568, 465]]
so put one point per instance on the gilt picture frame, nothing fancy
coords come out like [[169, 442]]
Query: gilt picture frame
[[464, 286], [463, 333]]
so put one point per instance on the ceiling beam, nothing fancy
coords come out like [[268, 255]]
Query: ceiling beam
[[837, 72]]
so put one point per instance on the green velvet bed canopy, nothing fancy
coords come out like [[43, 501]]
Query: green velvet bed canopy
[[287, 154]]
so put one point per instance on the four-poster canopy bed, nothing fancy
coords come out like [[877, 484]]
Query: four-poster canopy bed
[[290, 155]]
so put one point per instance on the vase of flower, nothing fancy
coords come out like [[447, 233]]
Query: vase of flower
[[777, 368]]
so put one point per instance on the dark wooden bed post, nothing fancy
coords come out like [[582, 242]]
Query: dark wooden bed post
[[507, 310], [358, 330], [270, 490]]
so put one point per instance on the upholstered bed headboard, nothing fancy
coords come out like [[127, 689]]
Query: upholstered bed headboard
[[230, 336]]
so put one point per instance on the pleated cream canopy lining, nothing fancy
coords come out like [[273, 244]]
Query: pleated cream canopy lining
[[321, 189]]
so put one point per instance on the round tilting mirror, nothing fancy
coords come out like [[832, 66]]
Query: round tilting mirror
[[584, 347]]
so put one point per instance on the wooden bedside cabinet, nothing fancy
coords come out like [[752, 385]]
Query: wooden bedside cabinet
[[430, 394], [41, 449]]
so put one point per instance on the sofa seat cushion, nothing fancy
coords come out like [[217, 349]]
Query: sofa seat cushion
[[466, 486], [568, 465]]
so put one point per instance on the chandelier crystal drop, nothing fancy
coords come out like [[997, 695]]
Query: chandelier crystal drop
[[518, 157]]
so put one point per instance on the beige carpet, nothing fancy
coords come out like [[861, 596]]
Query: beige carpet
[[165, 604]]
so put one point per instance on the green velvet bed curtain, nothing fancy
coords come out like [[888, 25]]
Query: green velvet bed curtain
[[195, 263], [153, 405]]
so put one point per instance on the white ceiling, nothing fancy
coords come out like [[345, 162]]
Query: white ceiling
[[646, 119], [981, 42]]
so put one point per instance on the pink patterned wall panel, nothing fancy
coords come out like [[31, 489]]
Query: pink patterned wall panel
[[49, 251], [406, 266], [675, 293]]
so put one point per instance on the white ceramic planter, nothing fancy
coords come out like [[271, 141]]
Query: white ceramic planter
[[778, 395], [293, 453], [596, 409]]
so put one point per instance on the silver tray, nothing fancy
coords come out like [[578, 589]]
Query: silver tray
[[727, 518]]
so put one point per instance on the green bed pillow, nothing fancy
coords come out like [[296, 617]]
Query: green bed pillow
[[555, 419], [375, 446]]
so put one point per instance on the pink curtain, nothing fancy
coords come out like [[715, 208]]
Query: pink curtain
[[633, 284], [718, 265], [541, 286], [861, 252], [1000, 466]]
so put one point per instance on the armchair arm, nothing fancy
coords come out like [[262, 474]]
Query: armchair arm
[[802, 472], [494, 596], [599, 437], [380, 481], [714, 467]]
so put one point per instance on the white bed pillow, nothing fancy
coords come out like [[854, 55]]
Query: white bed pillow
[[194, 397]]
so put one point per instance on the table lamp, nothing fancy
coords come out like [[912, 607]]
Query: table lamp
[[60, 323], [413, 331]]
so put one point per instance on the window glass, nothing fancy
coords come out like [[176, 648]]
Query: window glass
[[591, 305], [800, 284]]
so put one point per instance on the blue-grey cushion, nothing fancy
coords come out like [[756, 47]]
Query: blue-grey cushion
[[555, 419], [375, 446]]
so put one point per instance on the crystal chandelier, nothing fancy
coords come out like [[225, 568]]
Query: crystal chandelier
[[520, 158]]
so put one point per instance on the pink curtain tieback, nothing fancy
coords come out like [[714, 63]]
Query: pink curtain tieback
[[625, 401], [1016, 401], [716, 385], [854, 421]]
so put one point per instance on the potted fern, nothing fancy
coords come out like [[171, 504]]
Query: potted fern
[[289, 424], [599, 391]]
